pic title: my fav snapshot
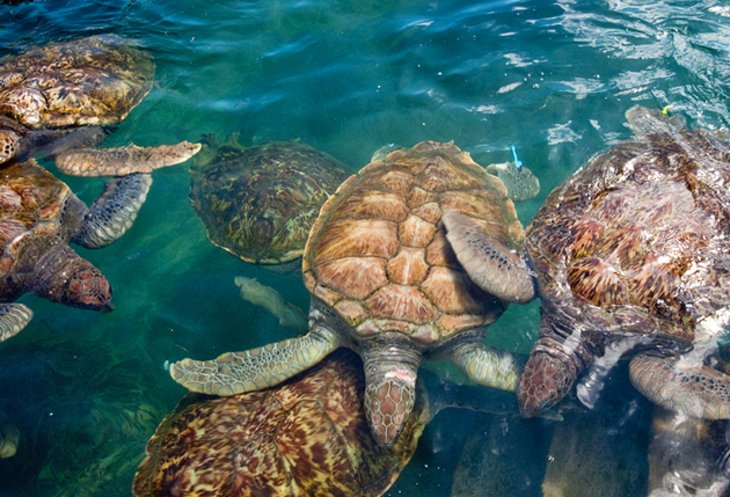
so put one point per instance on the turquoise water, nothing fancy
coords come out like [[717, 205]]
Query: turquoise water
[[85, 390]]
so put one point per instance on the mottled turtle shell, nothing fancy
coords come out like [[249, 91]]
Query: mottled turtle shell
[[378, 253], [259, 203], [31, 202], [90, 81], [307, 436], [638, 241]]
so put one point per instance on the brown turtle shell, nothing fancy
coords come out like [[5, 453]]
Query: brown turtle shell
[[88, 81], [259, 203], [638, 240], [307, 436], [378, 254], [31, 201]]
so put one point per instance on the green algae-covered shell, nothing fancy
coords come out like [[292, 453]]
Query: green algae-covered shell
[[307, 436], [89, 81], [259, 203]]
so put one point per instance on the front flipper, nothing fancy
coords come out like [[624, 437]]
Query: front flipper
[[695, 390], [485, 366], [114, 210], [13, 318], [489, 263], [237, 372], [520, 182], [124, 160]]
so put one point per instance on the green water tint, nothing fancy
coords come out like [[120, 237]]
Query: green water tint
[[552, 78]]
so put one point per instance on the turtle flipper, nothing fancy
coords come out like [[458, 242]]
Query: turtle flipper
[[237, 372], [114, 210], [521, 183], [13, 318], [264, 296], [699, 391], [485, 366], [124, 160], [644, 121], [489, 263]]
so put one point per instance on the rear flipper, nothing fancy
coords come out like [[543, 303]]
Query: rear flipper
[[489, 263], [114, 210], [237, 372], [124, 160], [695, 390], [485, 366], [264, 296], [13, 318]]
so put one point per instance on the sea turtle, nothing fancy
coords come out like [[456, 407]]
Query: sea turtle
[[56, 99], [306, 436], [259, 203], [385, 282], [688, 456], [39, 215], [632, 253]]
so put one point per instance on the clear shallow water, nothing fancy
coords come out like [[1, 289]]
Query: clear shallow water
[[552, 78]]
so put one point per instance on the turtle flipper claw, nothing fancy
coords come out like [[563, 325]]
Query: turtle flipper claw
[[696, 390], [13, 318], [489, 263], [124, 160]]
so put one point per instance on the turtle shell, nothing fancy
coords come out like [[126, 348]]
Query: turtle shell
[[89, 81], [307, 436], [31, 201], [259, 203], [637, 241], [378, 253]]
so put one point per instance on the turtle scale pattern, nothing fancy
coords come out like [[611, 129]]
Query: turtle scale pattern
[[635, 245], [404, 275], [89, 81], [259, 203], [32, 202], [307, 436]]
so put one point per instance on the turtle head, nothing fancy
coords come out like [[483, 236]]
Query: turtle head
[[548, 376], [61, 275], [390, 390], [89, 289]]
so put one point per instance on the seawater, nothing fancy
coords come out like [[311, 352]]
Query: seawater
[[553, 78]]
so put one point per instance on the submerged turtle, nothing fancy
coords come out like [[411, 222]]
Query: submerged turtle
[[386, 282], [633, 253], [688, 456], [306, 436], [259, 203], [39, 215], [56, 98]]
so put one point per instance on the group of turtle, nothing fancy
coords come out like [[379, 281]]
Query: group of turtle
[[409, 259]]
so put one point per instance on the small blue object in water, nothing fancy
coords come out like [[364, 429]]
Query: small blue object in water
[[518, 162]]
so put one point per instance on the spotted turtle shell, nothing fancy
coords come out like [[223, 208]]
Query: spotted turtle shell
[[638, 241], [378, 254], [307, 436], [89, 81], [259, 203], [32, 201]]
